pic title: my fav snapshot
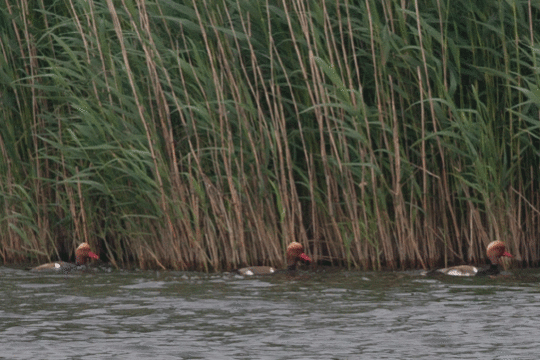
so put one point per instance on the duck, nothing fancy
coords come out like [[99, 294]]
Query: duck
[[295, 253], [83, 254], [495, 250]]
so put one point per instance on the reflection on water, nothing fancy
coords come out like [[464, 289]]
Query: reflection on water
[[323, 315]]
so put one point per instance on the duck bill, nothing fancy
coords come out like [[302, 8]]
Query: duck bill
[[92, 255], [507, 254], [306, 259]]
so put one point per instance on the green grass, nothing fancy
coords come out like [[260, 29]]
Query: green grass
[[209, 134]]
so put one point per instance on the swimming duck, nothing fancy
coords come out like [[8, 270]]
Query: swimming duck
[[295, 253], [82, 256], [495, 250]]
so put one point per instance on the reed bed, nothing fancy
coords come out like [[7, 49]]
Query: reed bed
[[208, 135]]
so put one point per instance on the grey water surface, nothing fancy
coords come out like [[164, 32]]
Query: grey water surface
[[316, 315]]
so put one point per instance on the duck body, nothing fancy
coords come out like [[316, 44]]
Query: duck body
[[82, 255], [257, 270], [295, 254], [495, 250], [469, 270], [60, 267]]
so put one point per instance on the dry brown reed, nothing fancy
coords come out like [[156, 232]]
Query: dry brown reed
[[209, 134]]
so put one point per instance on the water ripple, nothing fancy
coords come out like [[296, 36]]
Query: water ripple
[[334, 315]]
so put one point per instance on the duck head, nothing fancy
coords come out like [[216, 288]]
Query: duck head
[[495, 250], [295, 253], [83, 254]]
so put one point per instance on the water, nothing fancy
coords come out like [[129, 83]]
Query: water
[[323, 315]]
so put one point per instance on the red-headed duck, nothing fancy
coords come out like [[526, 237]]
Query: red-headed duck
[[82, 256], [295, 253], [495, 250]]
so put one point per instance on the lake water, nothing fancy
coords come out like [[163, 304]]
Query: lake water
[[318, 315]]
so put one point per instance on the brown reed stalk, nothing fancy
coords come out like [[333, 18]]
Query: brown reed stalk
[[93, 26], [138, 101], [308, 125]]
